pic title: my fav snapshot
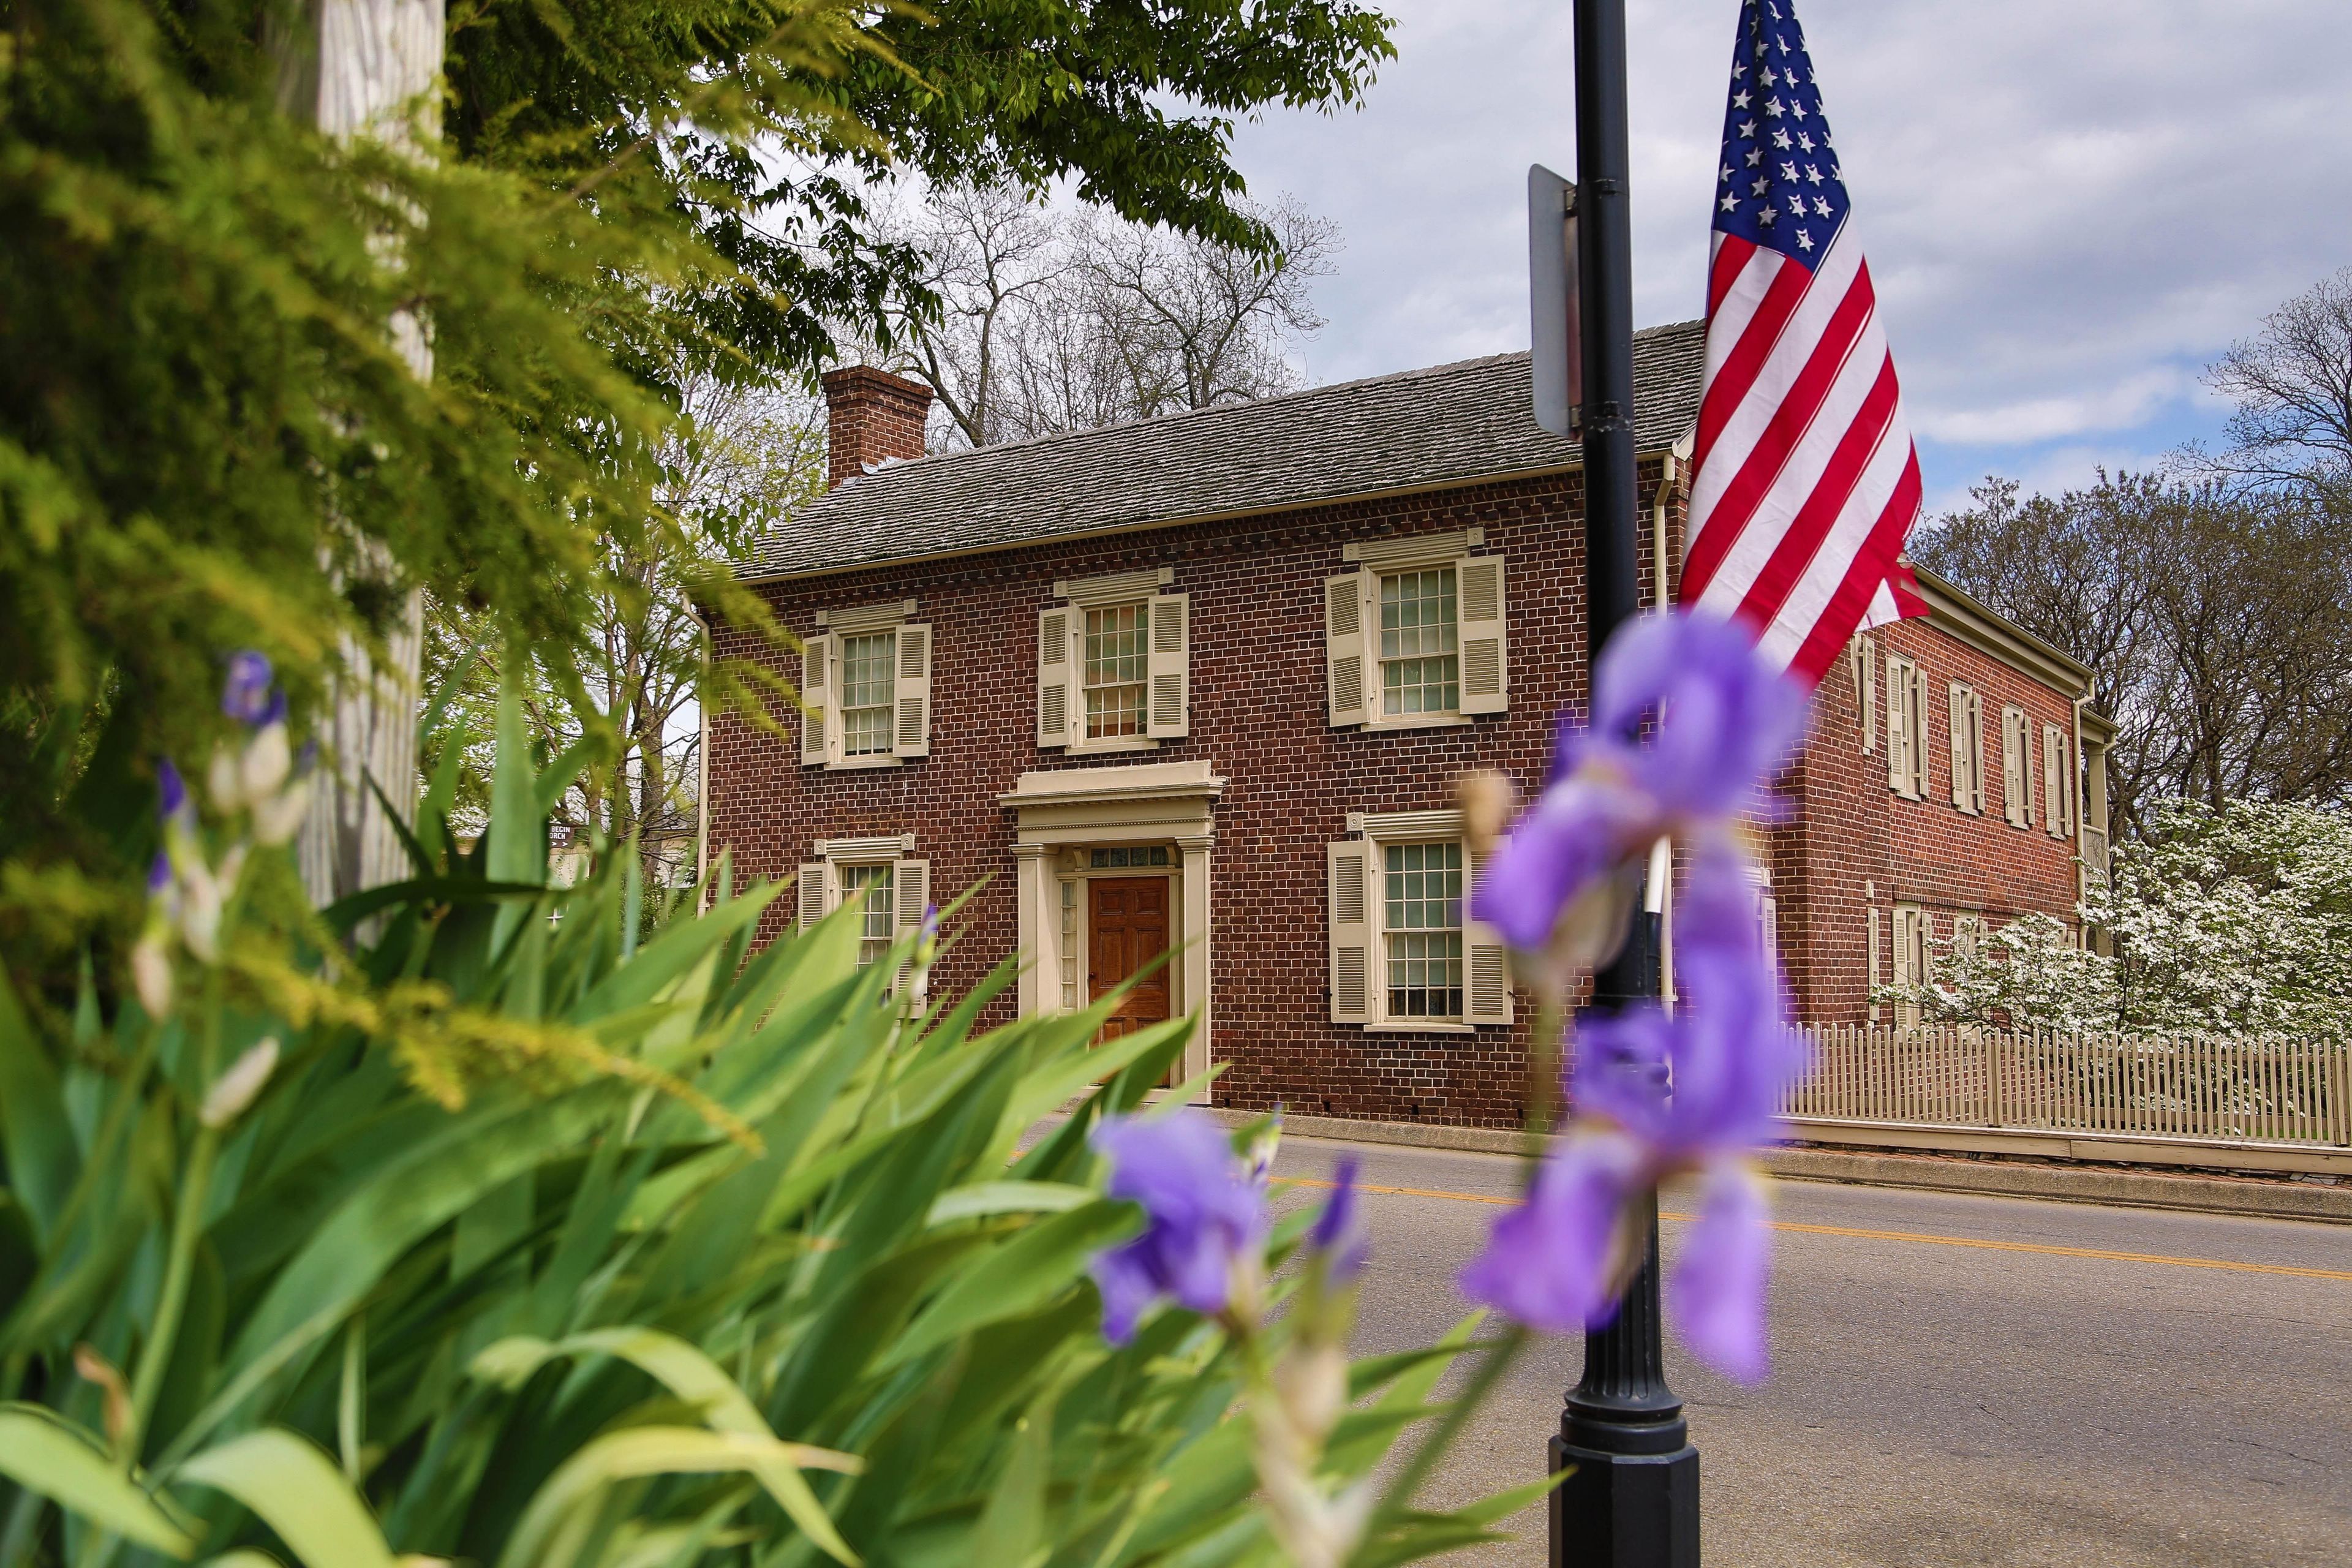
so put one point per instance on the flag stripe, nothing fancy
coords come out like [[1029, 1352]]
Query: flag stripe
[[1805, 482]]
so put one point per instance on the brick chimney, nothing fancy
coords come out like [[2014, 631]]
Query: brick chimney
[[870, 414]]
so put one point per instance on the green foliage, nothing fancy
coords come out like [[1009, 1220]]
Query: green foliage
[[509, 1240]]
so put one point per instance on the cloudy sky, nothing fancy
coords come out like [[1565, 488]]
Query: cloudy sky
[[2070, 206]]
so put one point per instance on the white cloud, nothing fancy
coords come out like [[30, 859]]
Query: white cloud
[[2068, 207]]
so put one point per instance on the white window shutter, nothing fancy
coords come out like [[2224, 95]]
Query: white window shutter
[[1169, 665], [2050, 760], [1865, 690], [816, 694], [1346, 668], [1487, 965], [815, 891], [1957, 702], [1484, 635], [912, 729], [1976, 751], [910, 886], [1351, 930], [1899, 724], [1057, 676], [1919, 739]]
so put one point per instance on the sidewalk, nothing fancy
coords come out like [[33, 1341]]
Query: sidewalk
[[2207, 1192]]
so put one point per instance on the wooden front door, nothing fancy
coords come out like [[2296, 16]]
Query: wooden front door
[[1126, 920]]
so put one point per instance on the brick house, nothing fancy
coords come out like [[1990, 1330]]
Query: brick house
[[1203, 682]]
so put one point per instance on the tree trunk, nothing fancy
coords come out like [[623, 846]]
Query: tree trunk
[[363, 67]]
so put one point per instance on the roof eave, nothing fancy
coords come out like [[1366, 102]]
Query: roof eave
[[1988, 631]]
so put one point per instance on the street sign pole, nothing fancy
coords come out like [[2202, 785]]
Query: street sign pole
[[1633, 1498]]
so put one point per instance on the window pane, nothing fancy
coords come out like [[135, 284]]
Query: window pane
[[871, 883], [1423, 911], [1419, 670], [869, 666], [1115, 669]]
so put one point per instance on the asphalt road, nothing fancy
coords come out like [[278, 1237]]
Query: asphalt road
[[1936, 1401]]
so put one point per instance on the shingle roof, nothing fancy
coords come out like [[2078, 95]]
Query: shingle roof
[[1423, 428]]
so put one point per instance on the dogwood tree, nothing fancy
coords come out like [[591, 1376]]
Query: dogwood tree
[[2234, 919]]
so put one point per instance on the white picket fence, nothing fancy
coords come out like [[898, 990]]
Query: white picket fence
[[2289, 1092]]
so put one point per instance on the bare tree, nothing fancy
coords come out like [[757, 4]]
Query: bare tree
[[2219, 619], [743, 457], [1051, 321], [2292, 383]]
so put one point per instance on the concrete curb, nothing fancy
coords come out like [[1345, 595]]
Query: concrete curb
[[2266, 1197]]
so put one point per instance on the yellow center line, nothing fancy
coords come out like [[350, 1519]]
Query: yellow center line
[[2046, 1249]]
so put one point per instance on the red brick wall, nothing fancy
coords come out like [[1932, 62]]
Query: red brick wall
[[1258, 714], [1856, 843]]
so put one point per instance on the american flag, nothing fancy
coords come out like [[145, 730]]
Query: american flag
[[1804, 481]]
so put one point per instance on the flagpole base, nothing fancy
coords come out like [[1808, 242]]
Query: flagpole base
[[1624, 1510]]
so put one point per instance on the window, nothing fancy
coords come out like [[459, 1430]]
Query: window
[[1911, 931], [868, 677], [2016, 767], [1418, 636], [1906, 726], [1968, 748], [1865, 660], [1138, 855], [1871, 970], [873, 885], [1421, 669], [866, 687], [1423, 923], [1404, 951], [1116, 678], [2057, 784], [1968, 937], [877, 877], [1113, 664]]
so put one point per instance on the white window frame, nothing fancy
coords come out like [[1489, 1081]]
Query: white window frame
[[1061, 711], [1913, 928], [2017, 779], [1487, 994], [823, 878], [1908, 730], [2058, 806], [1966, 720], [823, 674], [1355, 687]]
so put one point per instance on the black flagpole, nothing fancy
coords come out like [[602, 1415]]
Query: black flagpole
[[1632, 1499]]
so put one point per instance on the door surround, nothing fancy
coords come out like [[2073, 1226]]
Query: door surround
[[1063, 809]]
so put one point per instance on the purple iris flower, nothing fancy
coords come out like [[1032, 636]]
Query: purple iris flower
[[249, 696], [1719, 722], [171, 790], [1203, 1212], [1656, 1095], [159, 874], [1338, 1232]]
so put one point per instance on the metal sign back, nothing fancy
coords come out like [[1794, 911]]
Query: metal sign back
[[1559, 361]]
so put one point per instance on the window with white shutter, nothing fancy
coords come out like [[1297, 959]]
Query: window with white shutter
[[1057, 673], [1114, 663], [1170, 667], [1350, 932], [1418, 636], [1918, 742], [1485, 635], [816, 654], [1404, 951], [814, 886], [910, 883], [1870, 959], [1967, 716], [1343, 648], [1864, 661], [1902, 695], [2016, 767], [867, 679], [911, 735], [871, 889], [2057, 803]]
